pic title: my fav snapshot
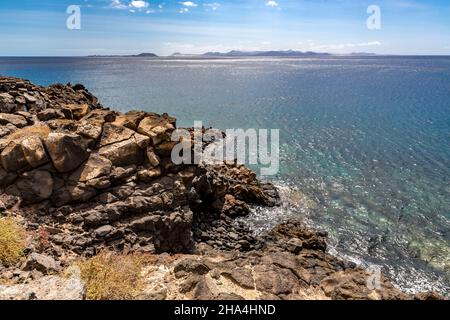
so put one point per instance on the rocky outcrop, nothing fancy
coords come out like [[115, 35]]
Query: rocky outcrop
[[45, 288], [274, 272], [18, 95], [107, 178], [81, 179]]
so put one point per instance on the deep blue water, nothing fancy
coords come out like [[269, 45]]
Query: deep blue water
[[365, 142]]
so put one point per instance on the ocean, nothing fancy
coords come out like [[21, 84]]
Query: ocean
[[365, 141]]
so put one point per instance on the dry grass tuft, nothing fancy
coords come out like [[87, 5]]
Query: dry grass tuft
[[110, 276], [12, 241]]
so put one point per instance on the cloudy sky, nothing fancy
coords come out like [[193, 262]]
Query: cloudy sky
[[38, 27]]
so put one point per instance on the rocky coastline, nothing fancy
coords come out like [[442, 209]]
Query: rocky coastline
[[81, 179]]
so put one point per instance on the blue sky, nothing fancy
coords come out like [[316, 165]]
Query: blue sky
[[38, 27]]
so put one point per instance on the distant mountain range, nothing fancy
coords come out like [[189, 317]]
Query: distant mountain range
[[236, 53], [287, 53], [146, 55]]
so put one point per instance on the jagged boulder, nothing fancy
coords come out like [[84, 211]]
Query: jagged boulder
[[42, 263], [90, 129], [158, 128], [113, 134], [25, 153], [123, 153], [34, 151], [16, 120], [33, 186], [130, 120], [7, 103], [101, 116], [75, 111], [13, 158], [96, 166], [232, 187], [67, 151], [49, 114]]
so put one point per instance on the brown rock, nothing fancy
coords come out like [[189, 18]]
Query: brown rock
[[15, 120], [49, 114], [242, 277], [103, 231], [202, 291], [294, 245], [13, 159], [429, 296], [90, 129], [234, 208], [352, 285], [67, 151], [113, 134], [123, 153], [77, 111], [20, 100], [141, 140], [30, 98], [6, 178], [149, 174], [96, 166], [152, 158], [41, 263], [190, 266], [130, 119], [158, 128], [33, 187], [34, 151], [102, 115], [164, 149], [223, 296]]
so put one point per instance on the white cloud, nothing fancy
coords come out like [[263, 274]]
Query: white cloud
[[189, 4], [133, 6], [213, 6], [341, 46], [139, 4], [272, 3], [117, 4]]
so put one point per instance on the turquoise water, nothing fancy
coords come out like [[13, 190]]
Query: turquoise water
[[365, 142]]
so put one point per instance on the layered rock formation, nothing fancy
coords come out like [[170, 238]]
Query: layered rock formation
[[84, 178], [108, 177]]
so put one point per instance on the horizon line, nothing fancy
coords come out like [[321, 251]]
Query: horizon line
[[178, 55]]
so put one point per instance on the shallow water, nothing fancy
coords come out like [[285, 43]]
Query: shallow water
[[365, 142]]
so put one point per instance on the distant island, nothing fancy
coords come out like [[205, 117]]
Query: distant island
[[241, 54], [141, 55], [286, 53]]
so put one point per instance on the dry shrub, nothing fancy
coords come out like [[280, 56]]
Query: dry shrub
[[110, 276], [12, 241]]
